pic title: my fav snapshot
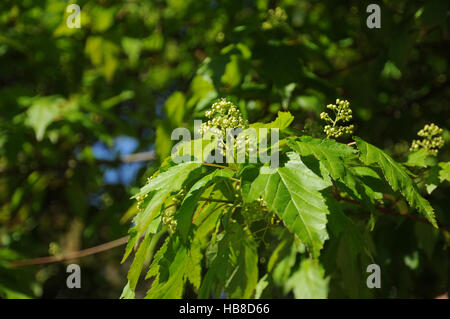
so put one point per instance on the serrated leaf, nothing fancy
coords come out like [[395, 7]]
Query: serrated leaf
[[418, 158], [329, 152], [283, 120], [173, 264], [397, 176], [244, 277], [437, 175], [130, 244], [174, 175], [138, 262], [444, 173], [177, 262], [293, 193], [153, 228], [127, 292], [234, 266], [159, 188], [185, 213]]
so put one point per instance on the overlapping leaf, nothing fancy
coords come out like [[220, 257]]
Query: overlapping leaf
[[234, 266], [293, 192], [158, 188], [330, 153], [397, 176], [173, 264], [190, 202]]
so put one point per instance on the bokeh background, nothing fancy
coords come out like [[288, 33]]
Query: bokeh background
[[76, 103]]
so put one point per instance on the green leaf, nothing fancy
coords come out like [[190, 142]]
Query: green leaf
[[42, 113], [104, 55], [175, 108], [283, 120], [418, 158], [130, 244], [355, 186], [244, 277], [282, 269], [437, 175], [444, 173], [132, 47], [262, 284], [397, 176], [173, 264], [186, 211], [341, 225], [127, 292], [309, 281], [138, 263], [176, 261], [293, 193], [153, 228], [158, 188], [235, 266], [329, 152]]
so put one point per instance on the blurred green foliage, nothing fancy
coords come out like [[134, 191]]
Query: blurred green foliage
[[141, 68]]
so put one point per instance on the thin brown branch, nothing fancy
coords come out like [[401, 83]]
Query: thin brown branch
[[73, 255], [215, 200], [199, 211], [210, 213], [219, 166], [138, 157], [389, 211]]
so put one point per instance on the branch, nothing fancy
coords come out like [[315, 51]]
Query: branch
[[219, 166], [388, 211], [74, 255], [138, 157], [215, 200], [132, 158]]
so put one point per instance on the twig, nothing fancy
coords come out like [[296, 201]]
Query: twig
[[210, 213], [74, 255], [138, 157], [215, 200], [391, 212], [219, 166], [199, 211]]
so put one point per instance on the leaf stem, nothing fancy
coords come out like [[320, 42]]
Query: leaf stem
[[219, 166], [210, 213], [215, 200], [390, 211]]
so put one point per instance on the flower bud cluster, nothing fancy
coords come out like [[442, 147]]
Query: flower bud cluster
[[168, 218], [431, 141], [342, 114], [140, 201], [223, 115], [256, 210], [275, 18]]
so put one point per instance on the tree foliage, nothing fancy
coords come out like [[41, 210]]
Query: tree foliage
[[283, 207], [75, 104]]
